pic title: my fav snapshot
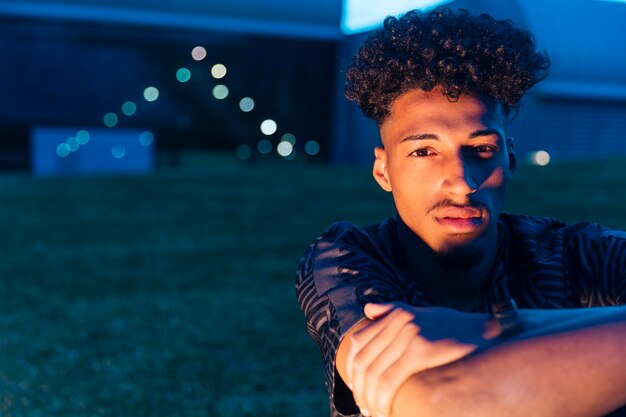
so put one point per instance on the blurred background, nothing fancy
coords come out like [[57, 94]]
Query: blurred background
[[163, 165]]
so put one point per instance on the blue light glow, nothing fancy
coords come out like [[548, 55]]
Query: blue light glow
[[129, 108], [110, 119], [82, 136], [146, 138], [63, 150], [246, 104], [151, 94], [220, 92], [291, 156], [264, 146], [58, 150], [73, 144], [363, 15], [244, 152], [183, 75], [312, 147], [288, 137], [118, 151]]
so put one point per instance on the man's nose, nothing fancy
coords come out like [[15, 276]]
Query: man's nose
[[458, 177]]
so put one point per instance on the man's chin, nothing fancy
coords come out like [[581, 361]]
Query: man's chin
[[460, 257]]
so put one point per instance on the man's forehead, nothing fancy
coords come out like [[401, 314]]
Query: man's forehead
[[419, 109], [437, 98]]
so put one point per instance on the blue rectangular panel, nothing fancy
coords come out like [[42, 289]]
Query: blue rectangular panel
[[57, 150]]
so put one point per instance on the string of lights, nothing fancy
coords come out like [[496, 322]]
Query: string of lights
[[283, 144]]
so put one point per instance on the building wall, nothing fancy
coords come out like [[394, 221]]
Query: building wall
[[571, 129], [71, 73]]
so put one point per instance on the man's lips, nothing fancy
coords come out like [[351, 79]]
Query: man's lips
[[460, 219], [466, 212]]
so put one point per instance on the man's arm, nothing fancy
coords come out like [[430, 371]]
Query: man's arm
[[567, 362], [378, 354]]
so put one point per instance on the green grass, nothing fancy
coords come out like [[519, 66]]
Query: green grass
[[172, 294]]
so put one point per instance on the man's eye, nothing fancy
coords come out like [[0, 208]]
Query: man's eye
[[484, 151], [422, 152]]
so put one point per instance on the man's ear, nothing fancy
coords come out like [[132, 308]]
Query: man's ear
[[380, 169], [510, 147]]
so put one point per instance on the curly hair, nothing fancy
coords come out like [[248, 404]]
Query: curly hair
[[455, 51]]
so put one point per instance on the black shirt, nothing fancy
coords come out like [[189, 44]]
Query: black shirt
[[541, 263]]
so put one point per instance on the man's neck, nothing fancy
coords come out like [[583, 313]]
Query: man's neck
[[462, 289]]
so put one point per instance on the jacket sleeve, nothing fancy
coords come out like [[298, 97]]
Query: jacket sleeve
[[343, 270], [598, 258]]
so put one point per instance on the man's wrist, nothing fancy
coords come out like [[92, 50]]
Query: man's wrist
[[506, 318]]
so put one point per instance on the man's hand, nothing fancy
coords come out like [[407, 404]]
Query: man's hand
[[401, 341]]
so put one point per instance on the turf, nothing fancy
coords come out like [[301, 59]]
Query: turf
[[172, 294]]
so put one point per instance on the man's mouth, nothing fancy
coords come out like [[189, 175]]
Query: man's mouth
[[460, 219], [459, 212]]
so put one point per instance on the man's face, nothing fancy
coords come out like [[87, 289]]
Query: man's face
[[447, 165]]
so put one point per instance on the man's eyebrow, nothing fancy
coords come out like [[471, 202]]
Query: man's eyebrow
[[421, 136], [485, 132]]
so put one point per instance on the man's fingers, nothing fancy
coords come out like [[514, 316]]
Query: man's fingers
[[419, 355], [401, 341], [372, 357], [375, 311], [374, 387], [392, 379], [358, 340], [357, 343]]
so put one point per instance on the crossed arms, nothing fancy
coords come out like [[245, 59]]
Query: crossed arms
[[407, 361]]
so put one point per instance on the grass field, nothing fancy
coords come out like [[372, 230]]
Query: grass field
[[172, 294]]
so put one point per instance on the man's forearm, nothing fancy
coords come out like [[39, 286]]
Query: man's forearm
[[566, 363]]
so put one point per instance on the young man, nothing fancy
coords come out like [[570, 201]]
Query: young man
[[416, 315]]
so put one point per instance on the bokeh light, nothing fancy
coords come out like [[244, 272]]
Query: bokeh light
[[151, 93], [218, 71], [63, 150], [541, 158], [291, 156], [72, 142], [183, 75], [264, 146], [244, 152], [268, 127], [288, 137], [129, 108], [220, 92], [118, 151], [312, 147], [146, 138], [110, 119], [198, 53], [284, 148], [82, 136], [246, 104]]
